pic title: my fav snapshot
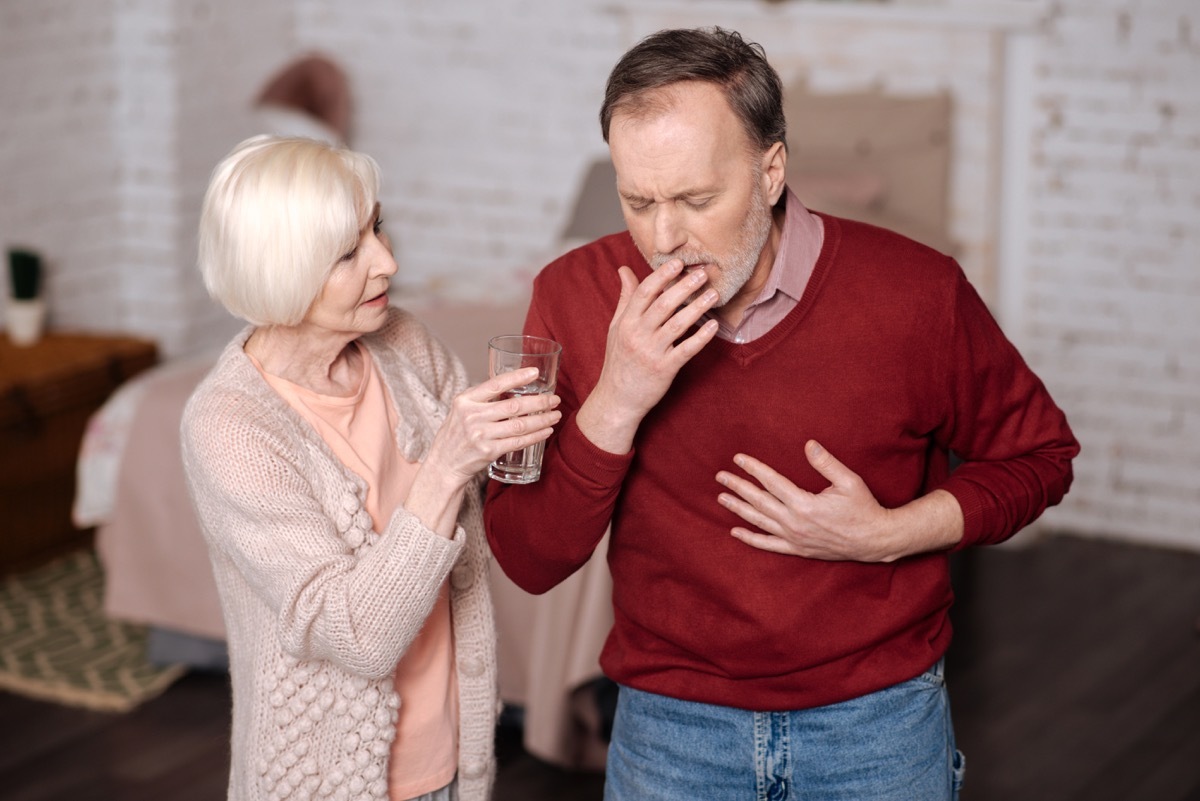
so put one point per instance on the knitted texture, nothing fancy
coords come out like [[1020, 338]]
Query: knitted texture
[[319, 608]]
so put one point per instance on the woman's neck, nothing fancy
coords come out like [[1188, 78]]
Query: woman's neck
[[319, 360]]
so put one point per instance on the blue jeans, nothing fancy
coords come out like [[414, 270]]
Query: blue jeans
[[893, 745]]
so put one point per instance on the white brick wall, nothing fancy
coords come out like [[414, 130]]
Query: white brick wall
[[483, 117], [1112, 319], [58, 168]]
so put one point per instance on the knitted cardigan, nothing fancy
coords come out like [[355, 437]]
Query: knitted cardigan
[[319, 608]]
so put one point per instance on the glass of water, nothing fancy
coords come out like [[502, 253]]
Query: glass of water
[[513, 352]]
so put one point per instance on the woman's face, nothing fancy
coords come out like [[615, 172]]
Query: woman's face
[[354, 298]]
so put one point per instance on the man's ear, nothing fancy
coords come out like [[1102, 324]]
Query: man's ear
[[774, 169]]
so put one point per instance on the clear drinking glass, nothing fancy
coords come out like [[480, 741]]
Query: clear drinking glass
[[513, 352]]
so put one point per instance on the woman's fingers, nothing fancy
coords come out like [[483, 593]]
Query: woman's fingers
[[502, 384], [490, 411]]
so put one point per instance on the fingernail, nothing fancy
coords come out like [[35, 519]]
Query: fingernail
[[710, 296]]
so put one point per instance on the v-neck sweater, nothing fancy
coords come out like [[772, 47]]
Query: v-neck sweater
[[891, 361]]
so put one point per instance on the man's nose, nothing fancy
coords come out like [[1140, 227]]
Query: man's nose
[[669, 234]]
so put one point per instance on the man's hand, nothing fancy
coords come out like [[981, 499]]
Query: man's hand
[[641, 356], [842, 522]]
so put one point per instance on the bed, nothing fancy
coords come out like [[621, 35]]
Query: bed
[[131, 488]]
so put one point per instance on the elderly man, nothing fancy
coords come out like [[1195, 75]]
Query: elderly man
[[763, 400]]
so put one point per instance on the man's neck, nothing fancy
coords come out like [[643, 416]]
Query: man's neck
[[731, 313]]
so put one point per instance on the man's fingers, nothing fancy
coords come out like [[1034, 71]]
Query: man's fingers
[[652, 286], [764, 542], [629, 285], [753, 513], [776, 484], [746, 499], [824, 463], [685, 350]]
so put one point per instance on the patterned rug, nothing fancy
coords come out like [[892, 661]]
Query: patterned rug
[[56, 644]]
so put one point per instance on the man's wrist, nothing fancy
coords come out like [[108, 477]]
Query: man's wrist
[[933, 522], [606, 425]]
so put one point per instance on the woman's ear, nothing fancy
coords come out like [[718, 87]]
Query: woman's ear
[[774, 171]]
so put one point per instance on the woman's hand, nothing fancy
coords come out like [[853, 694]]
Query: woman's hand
[[484, 423], [488, 421]]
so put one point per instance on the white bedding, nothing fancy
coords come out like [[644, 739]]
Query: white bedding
[[105, 438]]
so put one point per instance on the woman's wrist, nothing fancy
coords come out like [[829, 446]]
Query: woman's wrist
[[435, 498]]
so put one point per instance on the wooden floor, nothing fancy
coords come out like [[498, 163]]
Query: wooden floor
[[1075, 676]]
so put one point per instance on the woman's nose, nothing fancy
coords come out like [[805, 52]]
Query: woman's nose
[[383, 262]]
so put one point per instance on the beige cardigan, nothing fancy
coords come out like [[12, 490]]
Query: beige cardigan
[[318, 607]]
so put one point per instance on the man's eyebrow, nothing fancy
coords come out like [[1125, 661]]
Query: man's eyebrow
[[691, 192]]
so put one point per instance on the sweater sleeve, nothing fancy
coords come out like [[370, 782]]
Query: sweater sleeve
[[1014, 441], [274, 544], [543, 532]]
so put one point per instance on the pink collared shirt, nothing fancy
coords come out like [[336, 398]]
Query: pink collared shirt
[[799, 246]]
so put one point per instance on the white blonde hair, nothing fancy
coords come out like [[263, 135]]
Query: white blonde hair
[[278, 214]]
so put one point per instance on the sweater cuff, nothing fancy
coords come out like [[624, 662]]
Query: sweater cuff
[[974, 512], [592, 464]]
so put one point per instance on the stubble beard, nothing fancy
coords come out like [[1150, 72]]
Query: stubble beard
[[735, 271]]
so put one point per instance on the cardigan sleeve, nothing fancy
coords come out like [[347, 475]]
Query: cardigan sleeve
[[261, 514]]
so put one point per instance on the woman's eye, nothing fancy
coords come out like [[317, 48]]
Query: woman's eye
[[378, 225], [349, 256]]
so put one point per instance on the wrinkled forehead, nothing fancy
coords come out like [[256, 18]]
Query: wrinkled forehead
[[684, 135], [699, 109]]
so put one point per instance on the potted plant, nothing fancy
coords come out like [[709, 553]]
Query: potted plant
[[26, 312]]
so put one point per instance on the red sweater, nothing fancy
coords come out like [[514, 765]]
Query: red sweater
[[891, 361]]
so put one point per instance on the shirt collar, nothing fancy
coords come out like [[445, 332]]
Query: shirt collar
[[799, 247]]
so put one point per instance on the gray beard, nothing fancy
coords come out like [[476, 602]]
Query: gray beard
[[739, 267]]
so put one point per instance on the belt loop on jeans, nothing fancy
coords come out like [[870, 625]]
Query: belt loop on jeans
[[939, 668]]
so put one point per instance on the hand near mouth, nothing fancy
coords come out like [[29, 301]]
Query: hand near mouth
[[648, 343]]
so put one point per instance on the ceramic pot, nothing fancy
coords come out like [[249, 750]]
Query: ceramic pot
[[25, 321]]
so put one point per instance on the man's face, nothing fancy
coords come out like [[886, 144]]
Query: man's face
[[691, 188]]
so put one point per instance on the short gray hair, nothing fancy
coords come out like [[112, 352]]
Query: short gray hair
[[717, 56], [278, 214]]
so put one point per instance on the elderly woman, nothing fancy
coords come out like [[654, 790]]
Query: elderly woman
[[334, 456]]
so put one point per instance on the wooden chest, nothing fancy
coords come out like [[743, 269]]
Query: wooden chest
[[47, 393]]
